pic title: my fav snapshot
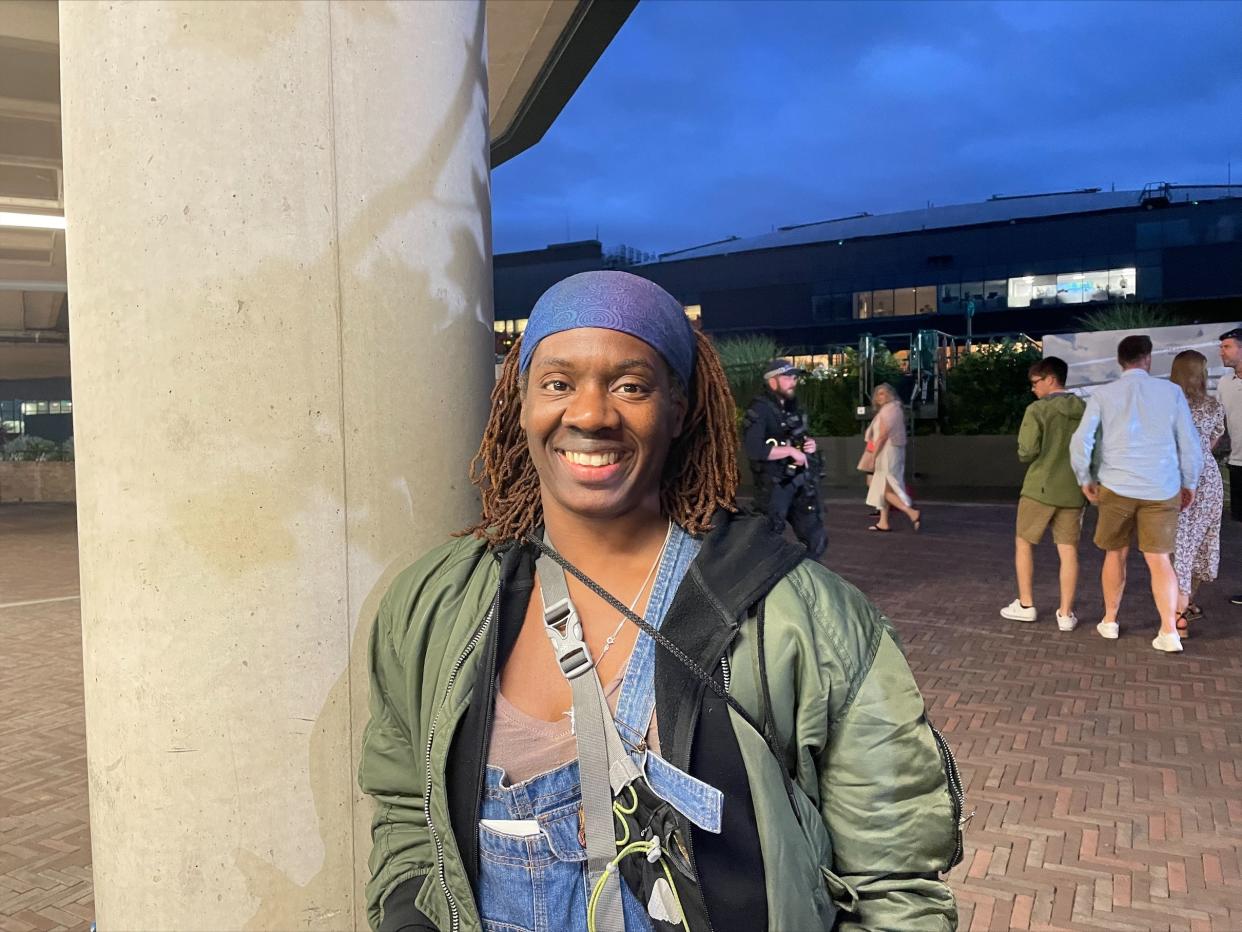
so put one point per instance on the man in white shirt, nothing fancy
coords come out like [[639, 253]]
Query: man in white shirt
[[1149, 464], [1229, 394]]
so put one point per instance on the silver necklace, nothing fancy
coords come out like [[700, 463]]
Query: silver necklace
[[612, 638]]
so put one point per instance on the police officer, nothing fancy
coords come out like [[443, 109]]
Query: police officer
[[781, 454]]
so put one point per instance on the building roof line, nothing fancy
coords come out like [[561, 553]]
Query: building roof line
[[1021, 197], [1001, 209], [815, 223], [717, 242]]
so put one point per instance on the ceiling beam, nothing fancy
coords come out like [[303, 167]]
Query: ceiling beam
[[587, 32]]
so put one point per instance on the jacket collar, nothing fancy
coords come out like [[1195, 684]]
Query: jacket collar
[[741, 559]]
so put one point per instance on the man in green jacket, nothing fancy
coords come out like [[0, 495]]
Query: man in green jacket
[[1050, 493]]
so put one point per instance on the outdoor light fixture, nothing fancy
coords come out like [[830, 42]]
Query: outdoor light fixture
[[31, 221]]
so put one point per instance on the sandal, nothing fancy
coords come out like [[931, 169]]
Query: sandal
[[1183, 630], [882, 530], [1193, 612]]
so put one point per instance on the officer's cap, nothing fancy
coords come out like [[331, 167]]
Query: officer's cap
[[777, 367]]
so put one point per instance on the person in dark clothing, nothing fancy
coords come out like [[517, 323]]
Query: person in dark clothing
[[782, 458]]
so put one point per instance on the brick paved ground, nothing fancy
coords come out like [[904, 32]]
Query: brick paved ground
[[45, 856], [1105, 777]]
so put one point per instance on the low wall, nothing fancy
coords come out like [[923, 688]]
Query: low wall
[[37, 482], [987, 463]]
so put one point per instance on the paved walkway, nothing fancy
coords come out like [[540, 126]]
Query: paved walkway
[[1106, 778], [45, 847]]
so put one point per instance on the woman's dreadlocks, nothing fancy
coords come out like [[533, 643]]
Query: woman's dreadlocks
[[700, 474]]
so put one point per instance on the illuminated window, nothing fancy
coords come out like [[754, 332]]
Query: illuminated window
[[1121, 283], [694, 311], [1020, 291], [1099, 285], [1043, 290], [507, 332], [903, 302], [894, 302], [1095, 285], [882, 304], [1070, 288], [812, 362]]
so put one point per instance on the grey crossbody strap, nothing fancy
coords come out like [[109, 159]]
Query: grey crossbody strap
[[604, 768]]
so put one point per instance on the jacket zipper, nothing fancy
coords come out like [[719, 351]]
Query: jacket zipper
[[493, 688], [957, 794], [479, 632]]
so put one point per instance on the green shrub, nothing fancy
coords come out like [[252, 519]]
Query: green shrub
[[988, 390], [829, 396], [35, 449], [1129, 317], [744, 359], [829, 404]]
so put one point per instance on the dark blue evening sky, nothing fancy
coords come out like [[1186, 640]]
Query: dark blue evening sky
[[707, 118]]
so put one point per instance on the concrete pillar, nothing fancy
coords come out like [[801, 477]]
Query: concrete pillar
[[280, 287]]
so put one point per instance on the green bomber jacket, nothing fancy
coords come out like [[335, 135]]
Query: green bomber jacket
[[855, 839]]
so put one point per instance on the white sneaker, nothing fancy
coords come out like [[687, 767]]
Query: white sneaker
[[1169, 643], [1016, 611], [1067, 622], [1108, 629]]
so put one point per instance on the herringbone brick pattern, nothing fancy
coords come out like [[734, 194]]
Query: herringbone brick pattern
[[1106, 778], [45, 857]]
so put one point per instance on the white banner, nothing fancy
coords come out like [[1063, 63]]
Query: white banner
[[1092, 357]]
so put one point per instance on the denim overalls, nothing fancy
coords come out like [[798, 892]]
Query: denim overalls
[[537, 882]]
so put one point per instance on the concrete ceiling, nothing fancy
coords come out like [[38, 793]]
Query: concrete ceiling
[[538, 53], [32, 262]]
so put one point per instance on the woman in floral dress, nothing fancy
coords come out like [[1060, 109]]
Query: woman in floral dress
[[1198, 527]]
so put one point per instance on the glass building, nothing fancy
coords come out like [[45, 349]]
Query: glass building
[[1027, 264]]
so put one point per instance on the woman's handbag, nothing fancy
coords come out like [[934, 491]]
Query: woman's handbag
[[866, 462]]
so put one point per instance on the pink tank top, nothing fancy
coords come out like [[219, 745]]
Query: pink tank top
[[524, 746]]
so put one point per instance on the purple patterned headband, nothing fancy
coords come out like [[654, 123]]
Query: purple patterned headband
[[614, 301]]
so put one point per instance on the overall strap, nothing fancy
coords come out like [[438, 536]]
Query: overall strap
[[604, 769], [636, 703]]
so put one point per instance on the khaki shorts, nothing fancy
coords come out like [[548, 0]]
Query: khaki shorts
[[1156, 522], [1034, 518]]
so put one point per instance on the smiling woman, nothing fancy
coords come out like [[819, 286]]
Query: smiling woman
[[698, 467], [574, 723]]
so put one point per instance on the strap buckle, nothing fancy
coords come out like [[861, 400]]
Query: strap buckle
[[560, 623], [557, 615]]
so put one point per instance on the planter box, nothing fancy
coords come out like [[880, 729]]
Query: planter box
[[987, 463], [37, 482]]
